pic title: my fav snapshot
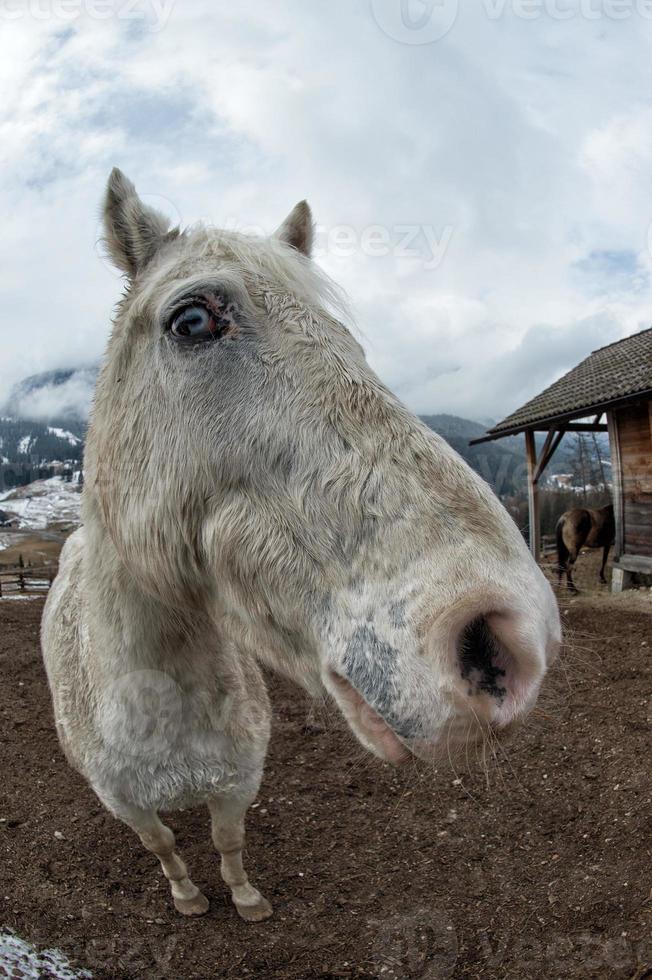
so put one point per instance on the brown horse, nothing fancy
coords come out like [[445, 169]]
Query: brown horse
[[582, 528]]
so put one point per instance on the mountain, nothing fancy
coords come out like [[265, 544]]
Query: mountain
[[44, 418], [21, 440], [54, 397], [501, 463]]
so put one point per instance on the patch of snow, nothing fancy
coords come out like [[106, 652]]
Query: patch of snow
[[15, 508], [20, 598], [23, 444], [64, 434], [6, 541], [20, 959], [44, 502]]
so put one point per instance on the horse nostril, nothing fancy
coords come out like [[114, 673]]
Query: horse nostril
[[482, 659]]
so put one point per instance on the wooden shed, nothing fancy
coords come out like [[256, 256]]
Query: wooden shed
[[611, 390]]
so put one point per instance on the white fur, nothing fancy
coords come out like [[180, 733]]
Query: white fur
[[263, 497]]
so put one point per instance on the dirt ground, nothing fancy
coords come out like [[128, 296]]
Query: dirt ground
[[34, 550], [539, 869]]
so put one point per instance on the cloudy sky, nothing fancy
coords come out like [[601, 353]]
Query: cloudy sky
[[481, 177]]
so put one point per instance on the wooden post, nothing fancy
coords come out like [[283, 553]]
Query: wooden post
[[617, 484], [535, 470], [533, 494], [621, 579]]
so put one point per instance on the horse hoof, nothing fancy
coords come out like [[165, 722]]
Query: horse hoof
[[192, 906], [254, 913]]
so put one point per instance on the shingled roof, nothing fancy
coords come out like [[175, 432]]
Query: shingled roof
[[615, 373]]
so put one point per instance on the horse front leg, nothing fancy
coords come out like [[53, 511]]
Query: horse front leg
[[227, 830], [605, 556], [159, 839]]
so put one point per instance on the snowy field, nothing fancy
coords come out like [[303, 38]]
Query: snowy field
[[40, 504], [20, 960]]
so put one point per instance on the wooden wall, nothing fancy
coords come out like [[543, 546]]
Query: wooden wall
[[633, 432]]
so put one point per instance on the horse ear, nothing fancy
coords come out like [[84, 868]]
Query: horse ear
[[298, 230], [133, 232]]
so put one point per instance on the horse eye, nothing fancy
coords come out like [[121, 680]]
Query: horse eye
[[193, 323]]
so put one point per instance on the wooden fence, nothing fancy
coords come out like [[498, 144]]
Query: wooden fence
[[26, 580], [548, 544]]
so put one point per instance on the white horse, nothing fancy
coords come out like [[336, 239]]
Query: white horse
[[255, 494]]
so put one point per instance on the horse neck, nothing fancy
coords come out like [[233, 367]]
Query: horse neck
[[134, 630]]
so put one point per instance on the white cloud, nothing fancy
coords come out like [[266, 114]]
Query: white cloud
[[524, 138], [67, 399]]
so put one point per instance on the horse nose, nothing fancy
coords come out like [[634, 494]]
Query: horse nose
[[500, 658], [481, 658]]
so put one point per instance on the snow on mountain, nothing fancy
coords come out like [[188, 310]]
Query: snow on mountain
[[45, 416], [44, 502], [21, 439], [64, 434]]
